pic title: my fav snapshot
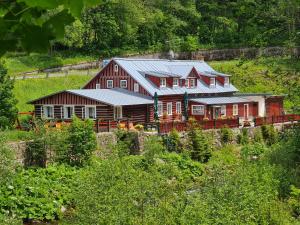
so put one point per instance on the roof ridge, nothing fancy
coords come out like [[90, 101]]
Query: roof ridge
[[154, 59]]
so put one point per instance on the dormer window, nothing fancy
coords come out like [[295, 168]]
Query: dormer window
[[175, 82], [226, 81], [163, 82], [186, 82], [192, 83], [212, 82], [116, 68], [109, 84]]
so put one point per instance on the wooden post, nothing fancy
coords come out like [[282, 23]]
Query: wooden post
[[97, 125], [158, 127], [215, 123], [238, 122], [127, 123], [108, 128]]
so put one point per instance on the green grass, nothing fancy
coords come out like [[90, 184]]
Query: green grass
[[30, 89], [16, 135], [265, 75], [26, 63]]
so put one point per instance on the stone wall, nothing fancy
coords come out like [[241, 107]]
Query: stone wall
[[107, 140]]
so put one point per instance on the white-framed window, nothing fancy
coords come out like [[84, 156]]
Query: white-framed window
[[48, 111], [123, 83], [223, 110], [178, 107], [175, 82], [235, 110], [198, 109], [118, 112], [212, 82], [68, 111], [160, 109], [136, 87], [163, 82], [187, 82], [90, 112], [98, 86], [116, 68], [192, 83], [169, 108], [110, 84], [226, 81]]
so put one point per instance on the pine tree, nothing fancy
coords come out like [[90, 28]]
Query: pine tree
[[8, 109]]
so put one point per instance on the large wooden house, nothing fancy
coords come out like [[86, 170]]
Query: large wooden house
[[144, 90]]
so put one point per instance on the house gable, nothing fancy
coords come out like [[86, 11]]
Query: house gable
[[109, 73]]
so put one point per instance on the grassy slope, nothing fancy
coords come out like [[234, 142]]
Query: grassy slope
[[26, 63], [270, 75], [26, 90], [261, 75]]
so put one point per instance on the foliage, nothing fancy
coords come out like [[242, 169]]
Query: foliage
[[127, 142], [200, 145], [172, 141], [16, 135], [7, 162], [269, 134], [81, 142], [31, 25], [294, 200], [253, 151], [153, 146], [8, 110], [38, 194], [258, 137], [243, 137], [226, 135]]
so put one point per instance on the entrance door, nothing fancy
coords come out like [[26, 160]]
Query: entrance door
[[246, 111], [216, 112]]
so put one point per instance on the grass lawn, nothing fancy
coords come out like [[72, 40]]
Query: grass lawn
[[26, 90], [26, 63]]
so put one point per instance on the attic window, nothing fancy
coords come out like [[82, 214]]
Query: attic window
[[116, 68], [226, 81], [192, 83], [212, 82], [175, 82], [163, 82]]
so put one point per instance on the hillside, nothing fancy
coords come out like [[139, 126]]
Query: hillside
[[274, 75]]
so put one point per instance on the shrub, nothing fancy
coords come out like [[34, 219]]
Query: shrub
[[172, 141], [258, 137], [269, 134], [294, 200], [81, 141], [152, 147], [7, 162], [253, 150], [226, 135], [127, 142], [243, 137], [199, 144]]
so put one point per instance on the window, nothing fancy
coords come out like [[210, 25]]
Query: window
[[169, 108], [223, 110], [160, 109], [175, 82], [178, 107], [212, 82], [123, 83], [68, 111], [192, 83], [90, 112], [97, 86], [163, 82], [109, 83], [48, 111], [198, 109], [136, 87], [235, 110], [186, 82], [116, 68], [226, 81], [118, 112]]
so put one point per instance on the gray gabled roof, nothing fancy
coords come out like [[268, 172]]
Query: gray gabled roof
[[137, 68], [115, 97], [219, 100]]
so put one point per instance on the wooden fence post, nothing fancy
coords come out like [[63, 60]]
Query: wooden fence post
[[108, 128], [97, 125], [215, 121], [158, 127]]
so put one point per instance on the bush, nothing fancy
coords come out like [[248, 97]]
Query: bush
[[258, 137], [172, 141], [253, 151], [127, 142], [7, 162], [269, 134], [243, 138], [226, 135], [152, 147], [81, 140], [199, 144], [294, 201]]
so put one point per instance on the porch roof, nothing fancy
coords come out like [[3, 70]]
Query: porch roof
[[220, 100]]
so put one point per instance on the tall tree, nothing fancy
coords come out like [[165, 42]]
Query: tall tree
[[8, 109]]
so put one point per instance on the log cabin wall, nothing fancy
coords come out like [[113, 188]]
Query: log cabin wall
[[109, 73], [173, 99], [137, 114], [274, 106]]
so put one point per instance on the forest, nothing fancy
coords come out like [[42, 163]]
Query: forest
[[113, 27]]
